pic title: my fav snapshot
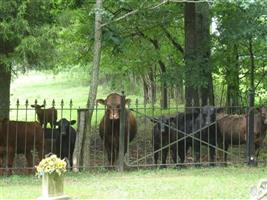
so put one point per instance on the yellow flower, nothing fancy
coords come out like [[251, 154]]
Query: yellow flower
[[51, 164]]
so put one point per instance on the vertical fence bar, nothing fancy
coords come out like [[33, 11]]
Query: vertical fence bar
[[122, 133], [250, 130]]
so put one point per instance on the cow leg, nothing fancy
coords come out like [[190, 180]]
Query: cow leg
[[174, 154], [212, 153], [109, 153], [225, 154], [181, 151], [116, 154], [1, 160], [108, 150], [212, 156], [113, 157], [11, 155], [257, 149], [156, 155], [29, 159], [164, 157], [197, 153], [40, 153]]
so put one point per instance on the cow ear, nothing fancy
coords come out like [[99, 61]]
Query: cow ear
[[127, 101], [33, 106], [72, 122], [101, 101], [42, 106], [172, 119]]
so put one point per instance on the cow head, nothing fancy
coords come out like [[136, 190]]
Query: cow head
[[63, 125], [113, 105], [162, 122], [208, 115]]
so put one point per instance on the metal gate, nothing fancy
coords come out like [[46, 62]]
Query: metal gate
[[171, 145]]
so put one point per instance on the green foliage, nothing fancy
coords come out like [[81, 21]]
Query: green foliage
[[26, 35], [59, 35], [238, 22]]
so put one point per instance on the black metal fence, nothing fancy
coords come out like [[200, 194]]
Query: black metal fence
[[176, 136]]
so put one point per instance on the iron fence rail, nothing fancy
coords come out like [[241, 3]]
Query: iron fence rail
[[139, 153]]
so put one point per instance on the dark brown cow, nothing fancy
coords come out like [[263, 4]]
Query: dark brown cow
[[260, 125], [44, 116], [109, 127], [232, 129], [21, 138]]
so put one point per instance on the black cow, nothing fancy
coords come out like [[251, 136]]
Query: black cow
[[65, 137], [197, 123], [165, 132]]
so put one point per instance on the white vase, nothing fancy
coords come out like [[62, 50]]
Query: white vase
[[52, 187]]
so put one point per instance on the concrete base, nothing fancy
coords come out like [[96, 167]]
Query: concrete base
[[61, 197]]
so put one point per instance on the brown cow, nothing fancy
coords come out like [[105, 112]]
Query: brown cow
[[109, 127], [232, 129], [260, 124], [20, 138], [44, 116]]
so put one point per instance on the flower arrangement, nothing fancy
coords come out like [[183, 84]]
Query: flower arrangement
[[51, 165]]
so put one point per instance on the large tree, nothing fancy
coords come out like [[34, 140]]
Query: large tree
[[240, 52], [25, 41], [198, 71], [93, 79]]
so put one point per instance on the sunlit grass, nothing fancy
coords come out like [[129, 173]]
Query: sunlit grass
[[69, 94], [41, 86], [192, 183]]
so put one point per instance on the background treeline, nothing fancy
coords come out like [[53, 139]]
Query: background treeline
[[162, 51]]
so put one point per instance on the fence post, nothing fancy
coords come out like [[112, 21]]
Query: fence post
[[250, 130], [122, 133], [82, 120]]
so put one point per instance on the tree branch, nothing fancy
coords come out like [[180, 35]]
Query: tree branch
[[177, 46], [134, 12]]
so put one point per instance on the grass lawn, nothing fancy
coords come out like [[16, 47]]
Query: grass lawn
[[192, 183], [46, 86], [39, 86]]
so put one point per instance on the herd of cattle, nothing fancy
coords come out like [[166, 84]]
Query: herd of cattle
[[207, 125], [20, 137]]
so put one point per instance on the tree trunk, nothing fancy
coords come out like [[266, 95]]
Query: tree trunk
[[191, 91], [153, 86], [164, 90], [203, 53], [232, 77], [145, 90], [93, 80], [179, 91], [5, 77], [197, 55], [252, 65]]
